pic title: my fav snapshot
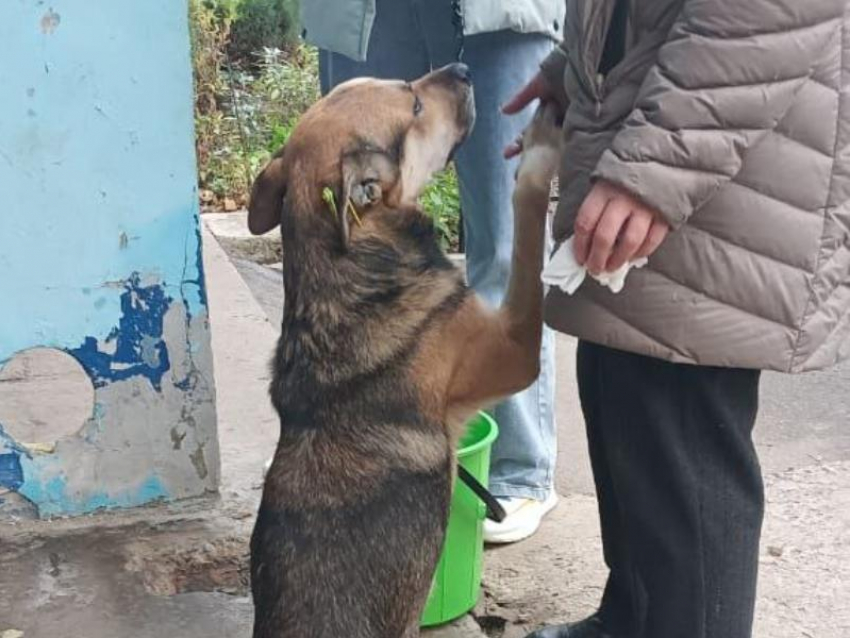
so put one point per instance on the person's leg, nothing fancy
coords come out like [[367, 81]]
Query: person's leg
[[623, 605], [732, 498], [685, 479], [523, 460], [396, 49]]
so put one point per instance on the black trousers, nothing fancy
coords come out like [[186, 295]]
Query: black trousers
[[681, 498]]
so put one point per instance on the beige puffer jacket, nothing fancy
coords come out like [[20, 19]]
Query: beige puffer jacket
[[731, 118]]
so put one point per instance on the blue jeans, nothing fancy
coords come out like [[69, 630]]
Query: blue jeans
[[409, 38]]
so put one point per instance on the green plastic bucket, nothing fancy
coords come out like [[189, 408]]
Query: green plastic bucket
[[457, 581]]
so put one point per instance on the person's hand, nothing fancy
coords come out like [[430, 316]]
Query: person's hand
[[613, 227], [538, 88]]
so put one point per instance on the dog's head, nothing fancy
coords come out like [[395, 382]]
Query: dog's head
[[369, 142]]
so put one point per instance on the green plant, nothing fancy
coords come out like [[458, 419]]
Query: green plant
[[243, 114], [279, 135], [209, 31], [260, 24], [247, 105], [441, 200]]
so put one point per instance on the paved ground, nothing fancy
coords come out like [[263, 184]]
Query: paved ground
[[150, 573]]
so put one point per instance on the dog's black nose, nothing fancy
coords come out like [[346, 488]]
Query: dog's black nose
[[460, 71]]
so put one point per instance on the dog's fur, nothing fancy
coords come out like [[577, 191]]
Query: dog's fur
[[384, 354]]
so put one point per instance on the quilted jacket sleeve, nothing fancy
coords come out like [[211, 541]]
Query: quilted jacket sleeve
[[726, 75]]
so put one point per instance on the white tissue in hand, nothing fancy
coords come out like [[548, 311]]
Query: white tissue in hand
[[564, 272]]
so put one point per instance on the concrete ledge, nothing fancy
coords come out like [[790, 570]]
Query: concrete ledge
[[231, 231]]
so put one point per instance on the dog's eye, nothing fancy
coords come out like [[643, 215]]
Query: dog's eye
[[417, 105]]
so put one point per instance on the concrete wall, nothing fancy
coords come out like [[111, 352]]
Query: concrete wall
[[100, 249]]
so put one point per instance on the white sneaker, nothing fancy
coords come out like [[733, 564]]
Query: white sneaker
[[523, 518]]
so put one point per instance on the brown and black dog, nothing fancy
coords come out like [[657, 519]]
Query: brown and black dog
[[383, 356]]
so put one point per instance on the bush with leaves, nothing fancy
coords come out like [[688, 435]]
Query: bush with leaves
[[441, 200], [262, 24], [254, 112], [245, 111]]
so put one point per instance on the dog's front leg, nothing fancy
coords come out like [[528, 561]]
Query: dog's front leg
[[500, 351]]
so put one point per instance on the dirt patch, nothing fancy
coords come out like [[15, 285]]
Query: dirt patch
[[493, 626], [218, 565]]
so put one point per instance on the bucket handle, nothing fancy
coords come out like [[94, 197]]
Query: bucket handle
[[495, 511]]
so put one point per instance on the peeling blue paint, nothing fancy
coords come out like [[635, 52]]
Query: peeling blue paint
[[43, 495], [11, 473], [109, 156], [199, 280], [55, 498], [95, 428], [151, 490], [9, 445], [139, 347]]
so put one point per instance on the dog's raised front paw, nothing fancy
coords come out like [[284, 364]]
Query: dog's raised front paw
[[541, 148]]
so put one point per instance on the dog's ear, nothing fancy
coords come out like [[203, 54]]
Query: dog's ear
[[367, 174], [267, 193]]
